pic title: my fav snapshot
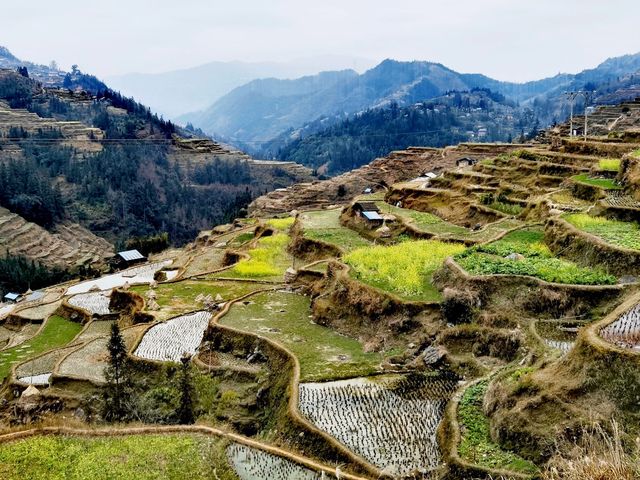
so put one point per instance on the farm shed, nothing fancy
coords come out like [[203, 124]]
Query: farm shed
[[128, 258], [466, 162], [12, 297], [369, 211]]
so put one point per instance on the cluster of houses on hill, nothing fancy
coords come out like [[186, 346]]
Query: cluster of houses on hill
[[120, 261]]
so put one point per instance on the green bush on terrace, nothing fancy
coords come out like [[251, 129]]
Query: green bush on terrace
[[615, 232], [538, 261], [405, 269]]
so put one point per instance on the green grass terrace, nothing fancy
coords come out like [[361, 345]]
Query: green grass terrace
[[603, 183], [430, 223], [324, 226], [614, 232], [143, 457], [523, 252], [56, 332], [405, 269], [286, 318]]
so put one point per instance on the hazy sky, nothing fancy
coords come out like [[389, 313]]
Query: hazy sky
[[506, 39]]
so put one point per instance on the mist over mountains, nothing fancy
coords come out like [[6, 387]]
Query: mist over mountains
[[182, 91]]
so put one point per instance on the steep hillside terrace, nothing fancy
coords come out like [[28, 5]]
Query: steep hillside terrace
[[398, 166], [67, 247]]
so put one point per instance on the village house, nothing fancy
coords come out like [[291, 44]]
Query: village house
[[127, 259], [466, 162], [369, 212]]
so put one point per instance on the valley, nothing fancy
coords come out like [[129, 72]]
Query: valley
[[383, 323]]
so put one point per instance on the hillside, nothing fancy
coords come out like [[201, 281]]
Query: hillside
[[253, 115], [456, 117], [103, 162], [480, 322]]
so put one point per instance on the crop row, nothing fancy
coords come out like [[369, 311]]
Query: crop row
[[253, 464], [396, 431], [94, 302], [170, 340]]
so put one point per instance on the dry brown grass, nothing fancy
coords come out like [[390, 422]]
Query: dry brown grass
[[597, 455]]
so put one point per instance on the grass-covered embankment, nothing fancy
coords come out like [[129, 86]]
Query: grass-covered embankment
[[476, 445]]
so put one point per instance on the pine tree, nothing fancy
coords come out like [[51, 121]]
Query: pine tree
[[185, 409], [118, 378]]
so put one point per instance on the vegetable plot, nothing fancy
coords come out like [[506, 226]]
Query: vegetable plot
[[169, 341], [390, 422], [94, 302], [619, 234], [253, 464]]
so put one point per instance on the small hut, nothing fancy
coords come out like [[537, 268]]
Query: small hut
[[128, 258]]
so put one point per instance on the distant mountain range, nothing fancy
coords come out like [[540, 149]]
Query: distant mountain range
[[181, 91], [253, 115]]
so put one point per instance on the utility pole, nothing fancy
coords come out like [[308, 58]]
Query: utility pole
[[588, 96], [571, 96]]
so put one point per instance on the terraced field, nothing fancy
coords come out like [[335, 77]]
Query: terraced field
[[429, 223], [390, 421], [56, 332], [625, 331], [180, 297], [268, 260], [143, 457], [619, 234], [169, 341], [286, 318], [523, 252], [324, 226], [131, 276], [95, 302], [251, 464], [405, 269]]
